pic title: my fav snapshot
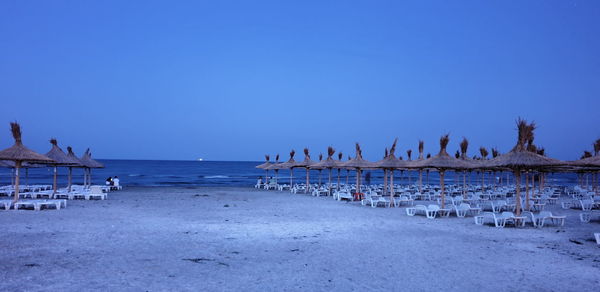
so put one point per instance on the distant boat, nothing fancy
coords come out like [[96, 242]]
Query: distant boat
[[200, 159]]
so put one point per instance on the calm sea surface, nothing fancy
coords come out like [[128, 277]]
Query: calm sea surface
[[218, 173]]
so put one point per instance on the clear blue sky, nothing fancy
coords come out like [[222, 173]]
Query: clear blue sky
[[234, 80]]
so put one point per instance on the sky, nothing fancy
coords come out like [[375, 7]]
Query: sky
[[234, 80]]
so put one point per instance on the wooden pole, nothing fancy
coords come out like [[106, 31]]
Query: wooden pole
[[526, 190], [385, 181], [54, 187], [442, 187], [69, 179], [17, 181], [518, 186], [307, 180], [392, 188]]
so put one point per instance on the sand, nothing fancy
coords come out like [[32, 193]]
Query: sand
[[240, 239]]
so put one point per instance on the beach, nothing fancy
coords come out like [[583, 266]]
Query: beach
[[242, 239]]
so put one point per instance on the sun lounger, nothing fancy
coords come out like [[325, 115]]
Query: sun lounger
[[6, 204], [464, 209], [430, 211], [498, 220], [547, 215], [403, 200], [95, 193]]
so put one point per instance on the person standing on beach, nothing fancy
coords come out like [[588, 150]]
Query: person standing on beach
[[368, 177], [115, 181]]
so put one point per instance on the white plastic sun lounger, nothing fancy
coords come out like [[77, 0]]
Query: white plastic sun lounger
[[6, 203]]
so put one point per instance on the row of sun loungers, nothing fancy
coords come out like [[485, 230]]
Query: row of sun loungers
[[41, 197]]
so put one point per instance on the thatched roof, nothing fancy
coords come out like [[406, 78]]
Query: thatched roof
[[390, 161], [327, 163], [307, 162], [18, 152], [358, 161], [266, 164], [442, 160], [87, 161], [285, 165], [60, 157], [593, 162], [520, 156], [73, 156]]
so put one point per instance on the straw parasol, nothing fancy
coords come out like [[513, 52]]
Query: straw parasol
[[389, 163], [274, 167], [328, 163], [442, 162], [306, 163], [79, 165], [520, 159], [339, 163], [60, 159], [265, 166], [18, 153], [286, 165], [89, 163], [358, 163]]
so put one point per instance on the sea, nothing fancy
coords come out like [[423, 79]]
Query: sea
[[231, 173]]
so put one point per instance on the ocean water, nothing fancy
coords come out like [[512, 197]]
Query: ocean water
[[225, 173]]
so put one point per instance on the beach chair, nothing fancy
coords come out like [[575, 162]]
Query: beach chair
[[6, 204], [26, 204], [498, 221], [547, 215], [586, 205], [464, 209], [95, 193], [403, 200]]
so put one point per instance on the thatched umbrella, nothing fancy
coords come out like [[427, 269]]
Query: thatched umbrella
[[306, 163], [265, 166], [421, 145], [519, 158], [60, 159], [484, 153], [79, 164], [443, 162], [274, 167], [388, 164], [286, 165], [328, 163], [358, 163], [338, 164], [18, 153], [89, 163]]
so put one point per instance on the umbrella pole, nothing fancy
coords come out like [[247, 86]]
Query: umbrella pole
[[307, 180], [276, 175], [427, 174], [358, 179], [26, 176], [482, 182], [518, 187], [442, 188], [330, 181], [392, 188], [420, 181], [526, 190], [338, 183], [291, 178], [319, 178], [347, 176], [17, 166], [54, 180], [69, 180], [385, 185], [464, 190]]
